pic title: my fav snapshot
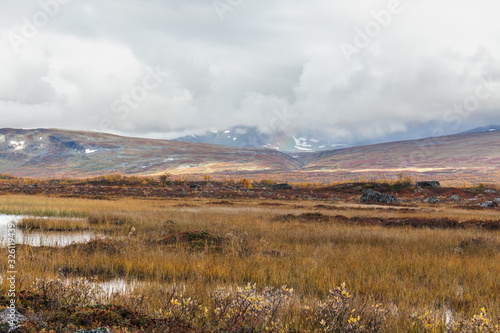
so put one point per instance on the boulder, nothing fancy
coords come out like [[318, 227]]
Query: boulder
[[11, 316], [431, 183], [97, 330], [432, 200], [488, 204], [455, 198], [371, 195], [497, 200], [282, 187]]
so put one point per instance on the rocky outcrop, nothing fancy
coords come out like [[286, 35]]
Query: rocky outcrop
[[12, 318], [488, 204], [432, 200], [428, 184], [374, 196], [97, 330], [455, 198]]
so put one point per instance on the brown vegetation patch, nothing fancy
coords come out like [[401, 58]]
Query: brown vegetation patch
[[108, 220], [193, 240], [224, 202], [99, 245], [184, 205], [305, 217], [387, 208], [272, 204], [416, 222]]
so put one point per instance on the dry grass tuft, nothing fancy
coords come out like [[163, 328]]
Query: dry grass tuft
[[52, 224]]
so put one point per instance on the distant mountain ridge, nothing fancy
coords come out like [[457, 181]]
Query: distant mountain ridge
[[58, 153], [64, 153], [243, 136], [477, 151], [491, 128]]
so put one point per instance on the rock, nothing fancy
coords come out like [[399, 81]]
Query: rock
[[488, 204], [428, 184], [282, 187], [455, 198], [371, 195], [433, 200], [490, 191], [97, 330], [11, 315]]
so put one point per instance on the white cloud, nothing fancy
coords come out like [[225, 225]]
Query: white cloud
[[266, 60]]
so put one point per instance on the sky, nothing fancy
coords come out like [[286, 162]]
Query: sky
[[352, 70]]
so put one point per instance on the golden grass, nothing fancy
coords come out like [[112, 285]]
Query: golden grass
[[407, 270], [53, 224]]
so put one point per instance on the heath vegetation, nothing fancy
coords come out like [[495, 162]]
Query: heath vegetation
[[259, 265]]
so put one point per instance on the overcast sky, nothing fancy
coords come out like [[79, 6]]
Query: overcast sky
[[354, 69]]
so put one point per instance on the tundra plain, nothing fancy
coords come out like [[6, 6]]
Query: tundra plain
[[300, 263]]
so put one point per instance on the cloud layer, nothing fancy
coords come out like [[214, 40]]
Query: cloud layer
[[357, 70]]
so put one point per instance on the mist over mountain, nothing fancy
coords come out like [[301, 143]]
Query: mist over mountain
[[65, 153], [243, 136]]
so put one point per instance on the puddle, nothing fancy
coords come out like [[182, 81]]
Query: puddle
[[118, 286], [40, 238]]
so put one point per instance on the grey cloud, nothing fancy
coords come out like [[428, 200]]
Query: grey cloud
[[265, 59]]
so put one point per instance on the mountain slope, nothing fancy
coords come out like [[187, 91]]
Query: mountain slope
[[242, 136], [61, 153], [491, 128], [473, 151]]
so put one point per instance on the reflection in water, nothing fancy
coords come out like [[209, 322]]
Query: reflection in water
[[118, 286], [40, 238]]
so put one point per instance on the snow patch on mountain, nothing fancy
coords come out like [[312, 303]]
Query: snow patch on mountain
[[242, 136], [17, 145], [490, 128]]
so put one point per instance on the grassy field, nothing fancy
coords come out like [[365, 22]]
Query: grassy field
[[397, 279]]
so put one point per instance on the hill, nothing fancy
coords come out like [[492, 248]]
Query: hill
[[477, 151], [63, 153], [47, 153]]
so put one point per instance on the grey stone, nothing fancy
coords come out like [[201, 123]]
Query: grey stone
[[97, 330], [455, 198], [488, 204], [371, 195], [11, 315], [497, 200], [431, 183], [433, 200]]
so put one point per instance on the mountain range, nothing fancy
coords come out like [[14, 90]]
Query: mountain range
[[62, 153], [65, 153], [243, 136]]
